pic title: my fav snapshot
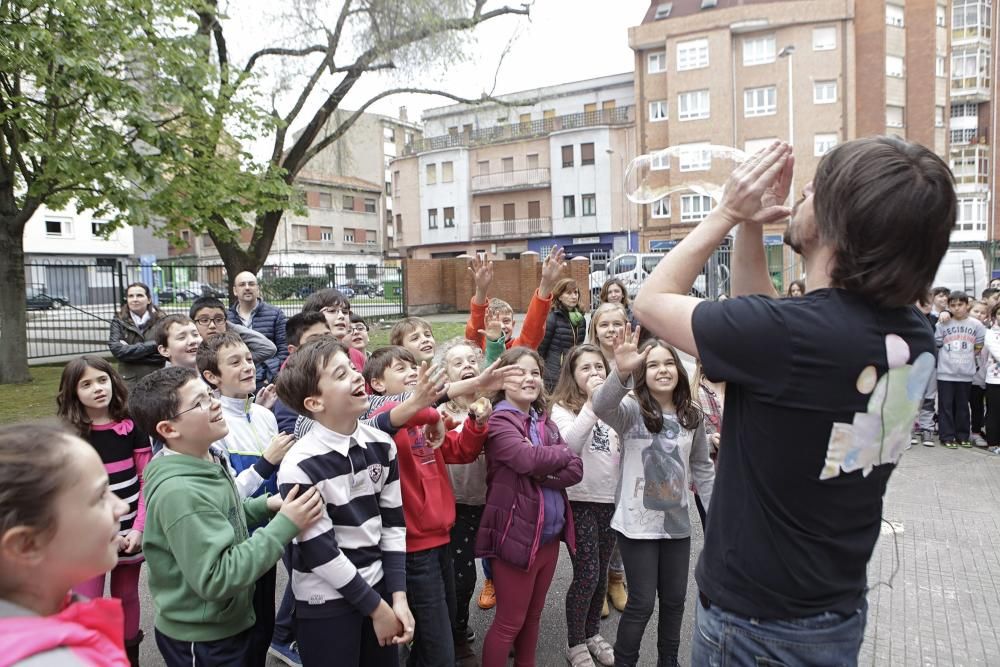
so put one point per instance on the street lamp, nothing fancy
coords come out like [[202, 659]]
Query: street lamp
[[789, 53], [623, 207]]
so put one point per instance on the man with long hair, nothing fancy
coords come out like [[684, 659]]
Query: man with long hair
[[821, 393]]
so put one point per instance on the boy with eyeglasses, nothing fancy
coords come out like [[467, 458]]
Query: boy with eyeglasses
[[337, 309], [209, 315], [202, 562], [358, 338]]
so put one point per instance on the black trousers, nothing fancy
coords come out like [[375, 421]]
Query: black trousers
[[263, 609], [977, 404], [228, 652], [346, 639], [953, 411]]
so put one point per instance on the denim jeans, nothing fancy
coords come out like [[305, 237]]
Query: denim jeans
[[824, 640], [430, 591]]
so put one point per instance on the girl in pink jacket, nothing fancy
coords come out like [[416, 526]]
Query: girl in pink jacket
[[59, 524]]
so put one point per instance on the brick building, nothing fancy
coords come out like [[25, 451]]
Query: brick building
[[743, 73]]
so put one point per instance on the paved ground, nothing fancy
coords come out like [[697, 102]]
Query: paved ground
[[944, 599]]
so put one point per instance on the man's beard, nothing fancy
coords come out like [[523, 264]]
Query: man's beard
[[791, 242]]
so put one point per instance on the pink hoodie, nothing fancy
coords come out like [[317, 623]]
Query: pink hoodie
[[92, 630]]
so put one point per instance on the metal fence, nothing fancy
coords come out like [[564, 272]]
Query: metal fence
[[71, 304]]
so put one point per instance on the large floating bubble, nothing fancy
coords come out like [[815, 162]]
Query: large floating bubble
[[702, 169]]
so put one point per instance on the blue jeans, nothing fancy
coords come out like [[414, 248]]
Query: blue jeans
[[430, 591], [824, 640]]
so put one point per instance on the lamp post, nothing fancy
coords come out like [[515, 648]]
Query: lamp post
[[622, 206], [789, 53]]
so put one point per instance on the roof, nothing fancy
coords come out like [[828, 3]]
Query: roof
[[346, 182], [679, 8]]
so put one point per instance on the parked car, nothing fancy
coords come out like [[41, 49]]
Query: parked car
[[216, 291], [364, 287], [39, 299], [170, 295], [346, 290]]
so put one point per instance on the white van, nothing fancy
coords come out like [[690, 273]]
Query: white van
[[963, 269], [633, 268]]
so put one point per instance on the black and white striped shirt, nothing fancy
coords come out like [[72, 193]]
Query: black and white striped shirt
[[362, 537]]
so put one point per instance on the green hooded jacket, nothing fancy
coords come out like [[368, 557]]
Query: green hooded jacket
[[202, 562]]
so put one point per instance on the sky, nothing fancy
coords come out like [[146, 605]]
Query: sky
[[561, 41]]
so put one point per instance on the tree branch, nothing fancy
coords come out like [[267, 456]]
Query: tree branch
[[277, 51]]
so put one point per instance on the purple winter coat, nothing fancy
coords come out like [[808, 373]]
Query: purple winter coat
[[511, 527]]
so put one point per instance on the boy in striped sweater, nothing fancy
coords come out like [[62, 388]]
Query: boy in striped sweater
[[349, 569]]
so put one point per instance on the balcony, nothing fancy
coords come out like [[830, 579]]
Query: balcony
[[970, 74], [530, 130], [971, 21], [500, 229], [971, 167], [511, 180]]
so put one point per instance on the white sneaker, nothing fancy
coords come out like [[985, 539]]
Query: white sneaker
[[978, 440], [579, 656]]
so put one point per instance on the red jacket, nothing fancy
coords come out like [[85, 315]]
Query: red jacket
[[532, 330], [428, 499], [92, 630]]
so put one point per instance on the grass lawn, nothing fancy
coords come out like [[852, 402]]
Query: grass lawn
[[37, 399]]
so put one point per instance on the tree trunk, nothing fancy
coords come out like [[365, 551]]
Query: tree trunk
[[13, 304]]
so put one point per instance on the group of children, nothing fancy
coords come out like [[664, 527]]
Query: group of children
[[376, 476], [967, 333]]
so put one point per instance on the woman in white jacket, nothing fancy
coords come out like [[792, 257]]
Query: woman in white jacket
[[593, 501], [992, 345]]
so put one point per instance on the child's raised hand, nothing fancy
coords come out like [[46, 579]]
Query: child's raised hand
[[434, 433], [266, 397], [493, 330], [303, 510], [131, 542], [480, 410], [493, 379], [552, 268], [430, 385], [279, 446], [481, 269], [626, 347], [386, 625]]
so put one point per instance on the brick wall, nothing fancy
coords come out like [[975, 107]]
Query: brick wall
[[445, 285]]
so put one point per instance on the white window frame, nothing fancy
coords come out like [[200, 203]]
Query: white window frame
[[326, 236], [823, 143], [431, 168], [447, 172], [695, 157], [663, 10], [348, 236], [589, 197], [688, 110], [658, 111], [902, 116], [692, 54], [940, 16], [940, 66], [659, 163], [660, 208], [894, 15], [895, 66], [656, 62], [759, 50], [825, 92], [820, 35], [761, 101], [432, 218], [65, 228], [695, 207], [938, 115]]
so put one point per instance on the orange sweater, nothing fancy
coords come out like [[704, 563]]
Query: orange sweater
[[532, 331]]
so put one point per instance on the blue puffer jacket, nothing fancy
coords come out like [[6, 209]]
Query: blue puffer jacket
[[270, 321]]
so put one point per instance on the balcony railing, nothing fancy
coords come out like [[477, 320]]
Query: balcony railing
[[971, 165], [511, 180], [513, 131], [498, 229]]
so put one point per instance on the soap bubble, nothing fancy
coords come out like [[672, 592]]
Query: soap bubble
[[702, 169]]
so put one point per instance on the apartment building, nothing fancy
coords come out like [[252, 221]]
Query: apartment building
[[544, 167], [743, 73], [348, 208]]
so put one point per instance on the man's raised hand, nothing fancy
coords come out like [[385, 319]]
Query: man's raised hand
[[753, 189]]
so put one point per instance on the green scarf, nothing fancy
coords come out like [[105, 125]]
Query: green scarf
[[575, 317]]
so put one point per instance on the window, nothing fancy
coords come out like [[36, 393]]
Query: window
[[388, 188], [938, 116], [389, 134], [507, 164], [453, 131], [447, 172], [432, 174], [661, 161], [824, 38], [300, 232], [348, 236], [893, 66], [608, 105], [894, 116], [395, 181], [467, 129], [656, 62], [409, 138], [371, 237], [695, 207], [590, 107], [692, 54], [970, 18], [760, 101], [893, 15], [569, 206], [58, 228], [369, 205], [663, 10], [509, 212], [657, 111], [660, 208], [484, 167], [348, 203], [531, 161], [588, 204], [966, 136], [753, 146], [939, 63], [939, 16], [484, 214], [567, 156], [326, 233], [695, 157], [432, 218], [758, 50], [586, 154], [449, 216], [693, 105], [708, 4], [971, 214], [534, 209], [824, 92], [962, 110], [524, 118], [325, 200], [822, 143], [97, 228]]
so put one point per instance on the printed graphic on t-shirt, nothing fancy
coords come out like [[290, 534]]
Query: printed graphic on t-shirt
[[881, 434], [601, 441]]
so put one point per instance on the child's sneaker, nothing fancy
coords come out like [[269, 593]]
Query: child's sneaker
[[950, 445], [927, 438], [966, 443], [286, 653], [994, 450], [978, 440]]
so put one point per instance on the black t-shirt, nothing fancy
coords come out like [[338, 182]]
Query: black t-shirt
[[814, 423]]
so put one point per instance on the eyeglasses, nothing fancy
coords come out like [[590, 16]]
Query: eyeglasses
[[205, 321], [359, 328], [200, 405], [336, 309]]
